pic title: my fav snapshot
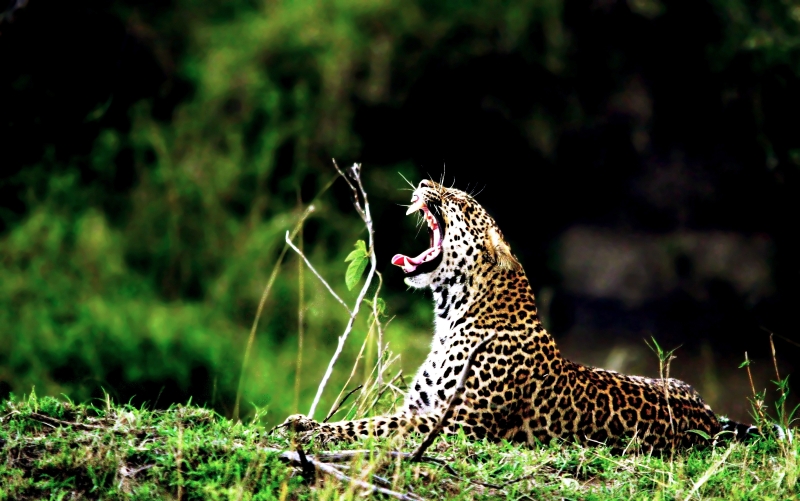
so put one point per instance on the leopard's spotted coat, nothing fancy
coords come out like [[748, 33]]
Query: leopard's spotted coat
[[520, 387]]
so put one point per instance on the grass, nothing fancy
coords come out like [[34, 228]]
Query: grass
[[55, 449]]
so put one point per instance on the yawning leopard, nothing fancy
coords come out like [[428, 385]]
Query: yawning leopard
[[520, 388]]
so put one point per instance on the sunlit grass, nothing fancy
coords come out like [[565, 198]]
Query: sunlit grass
[[55, 449]]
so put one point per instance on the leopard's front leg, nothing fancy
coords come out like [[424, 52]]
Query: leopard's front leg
[[349, 431]]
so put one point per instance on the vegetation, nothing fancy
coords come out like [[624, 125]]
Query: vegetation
[[58, 449], [142, 219], [55, 449], [146, 200]]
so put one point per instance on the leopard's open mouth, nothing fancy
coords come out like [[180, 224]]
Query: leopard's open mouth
[[435, 231]]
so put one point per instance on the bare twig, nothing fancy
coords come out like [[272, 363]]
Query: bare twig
[[295, 459], [357, 187], [417, 455], [373, 263], [315, 272], [341, 402], [342, 456], [53, 421], [783, 337], [309, 472], [364, 212], [125, 472]]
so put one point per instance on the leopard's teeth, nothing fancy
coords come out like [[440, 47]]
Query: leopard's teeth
[[416, 204]]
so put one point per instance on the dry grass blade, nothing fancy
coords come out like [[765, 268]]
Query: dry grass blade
[[709, 472], [417, 455], [57, 422], [301, 292], [251, 339], [341, 402], [349, 378]]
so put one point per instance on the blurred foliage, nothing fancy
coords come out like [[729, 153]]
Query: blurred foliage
[[136, 265]]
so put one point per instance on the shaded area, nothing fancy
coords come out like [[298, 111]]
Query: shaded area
[[641, 157]]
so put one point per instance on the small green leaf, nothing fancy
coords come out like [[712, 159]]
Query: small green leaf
[[354, 271], [358, 263], [361, 250], [744, 364], [701, 433]]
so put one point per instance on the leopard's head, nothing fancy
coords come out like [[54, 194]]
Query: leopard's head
[[464, 239]]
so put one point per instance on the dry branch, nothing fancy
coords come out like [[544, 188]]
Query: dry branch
[[304, 461], [316, 273], [341, 456]]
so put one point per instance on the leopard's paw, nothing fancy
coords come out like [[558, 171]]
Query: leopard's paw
[[300, 423], [303, 427]]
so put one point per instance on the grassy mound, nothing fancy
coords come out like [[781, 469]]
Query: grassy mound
[[56, 449]]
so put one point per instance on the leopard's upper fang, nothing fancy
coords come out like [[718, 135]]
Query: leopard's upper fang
[[409, 264]]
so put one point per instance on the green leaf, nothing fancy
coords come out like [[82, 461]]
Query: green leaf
[[701, 433], [361, 250], [358, 263], [354, 271], [744, 364]]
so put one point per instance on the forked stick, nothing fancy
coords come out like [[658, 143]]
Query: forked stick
[[361, 204], [366, 216]]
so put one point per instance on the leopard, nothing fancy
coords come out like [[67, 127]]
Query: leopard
[[494, 372]]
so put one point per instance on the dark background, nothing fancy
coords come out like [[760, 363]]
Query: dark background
[[642, 157]]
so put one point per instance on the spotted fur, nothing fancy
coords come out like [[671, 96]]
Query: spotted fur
[[520, 387]]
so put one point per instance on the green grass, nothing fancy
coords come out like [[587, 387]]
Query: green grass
[[55, 449]]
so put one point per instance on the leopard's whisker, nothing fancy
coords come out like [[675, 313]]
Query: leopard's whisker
[[406, 180]]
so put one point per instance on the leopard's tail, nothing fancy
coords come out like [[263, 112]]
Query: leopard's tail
[[743, 432]]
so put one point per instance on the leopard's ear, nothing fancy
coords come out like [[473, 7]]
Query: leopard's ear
[[500, 252]]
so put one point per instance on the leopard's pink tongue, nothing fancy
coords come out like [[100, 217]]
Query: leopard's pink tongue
[[410, 264]]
